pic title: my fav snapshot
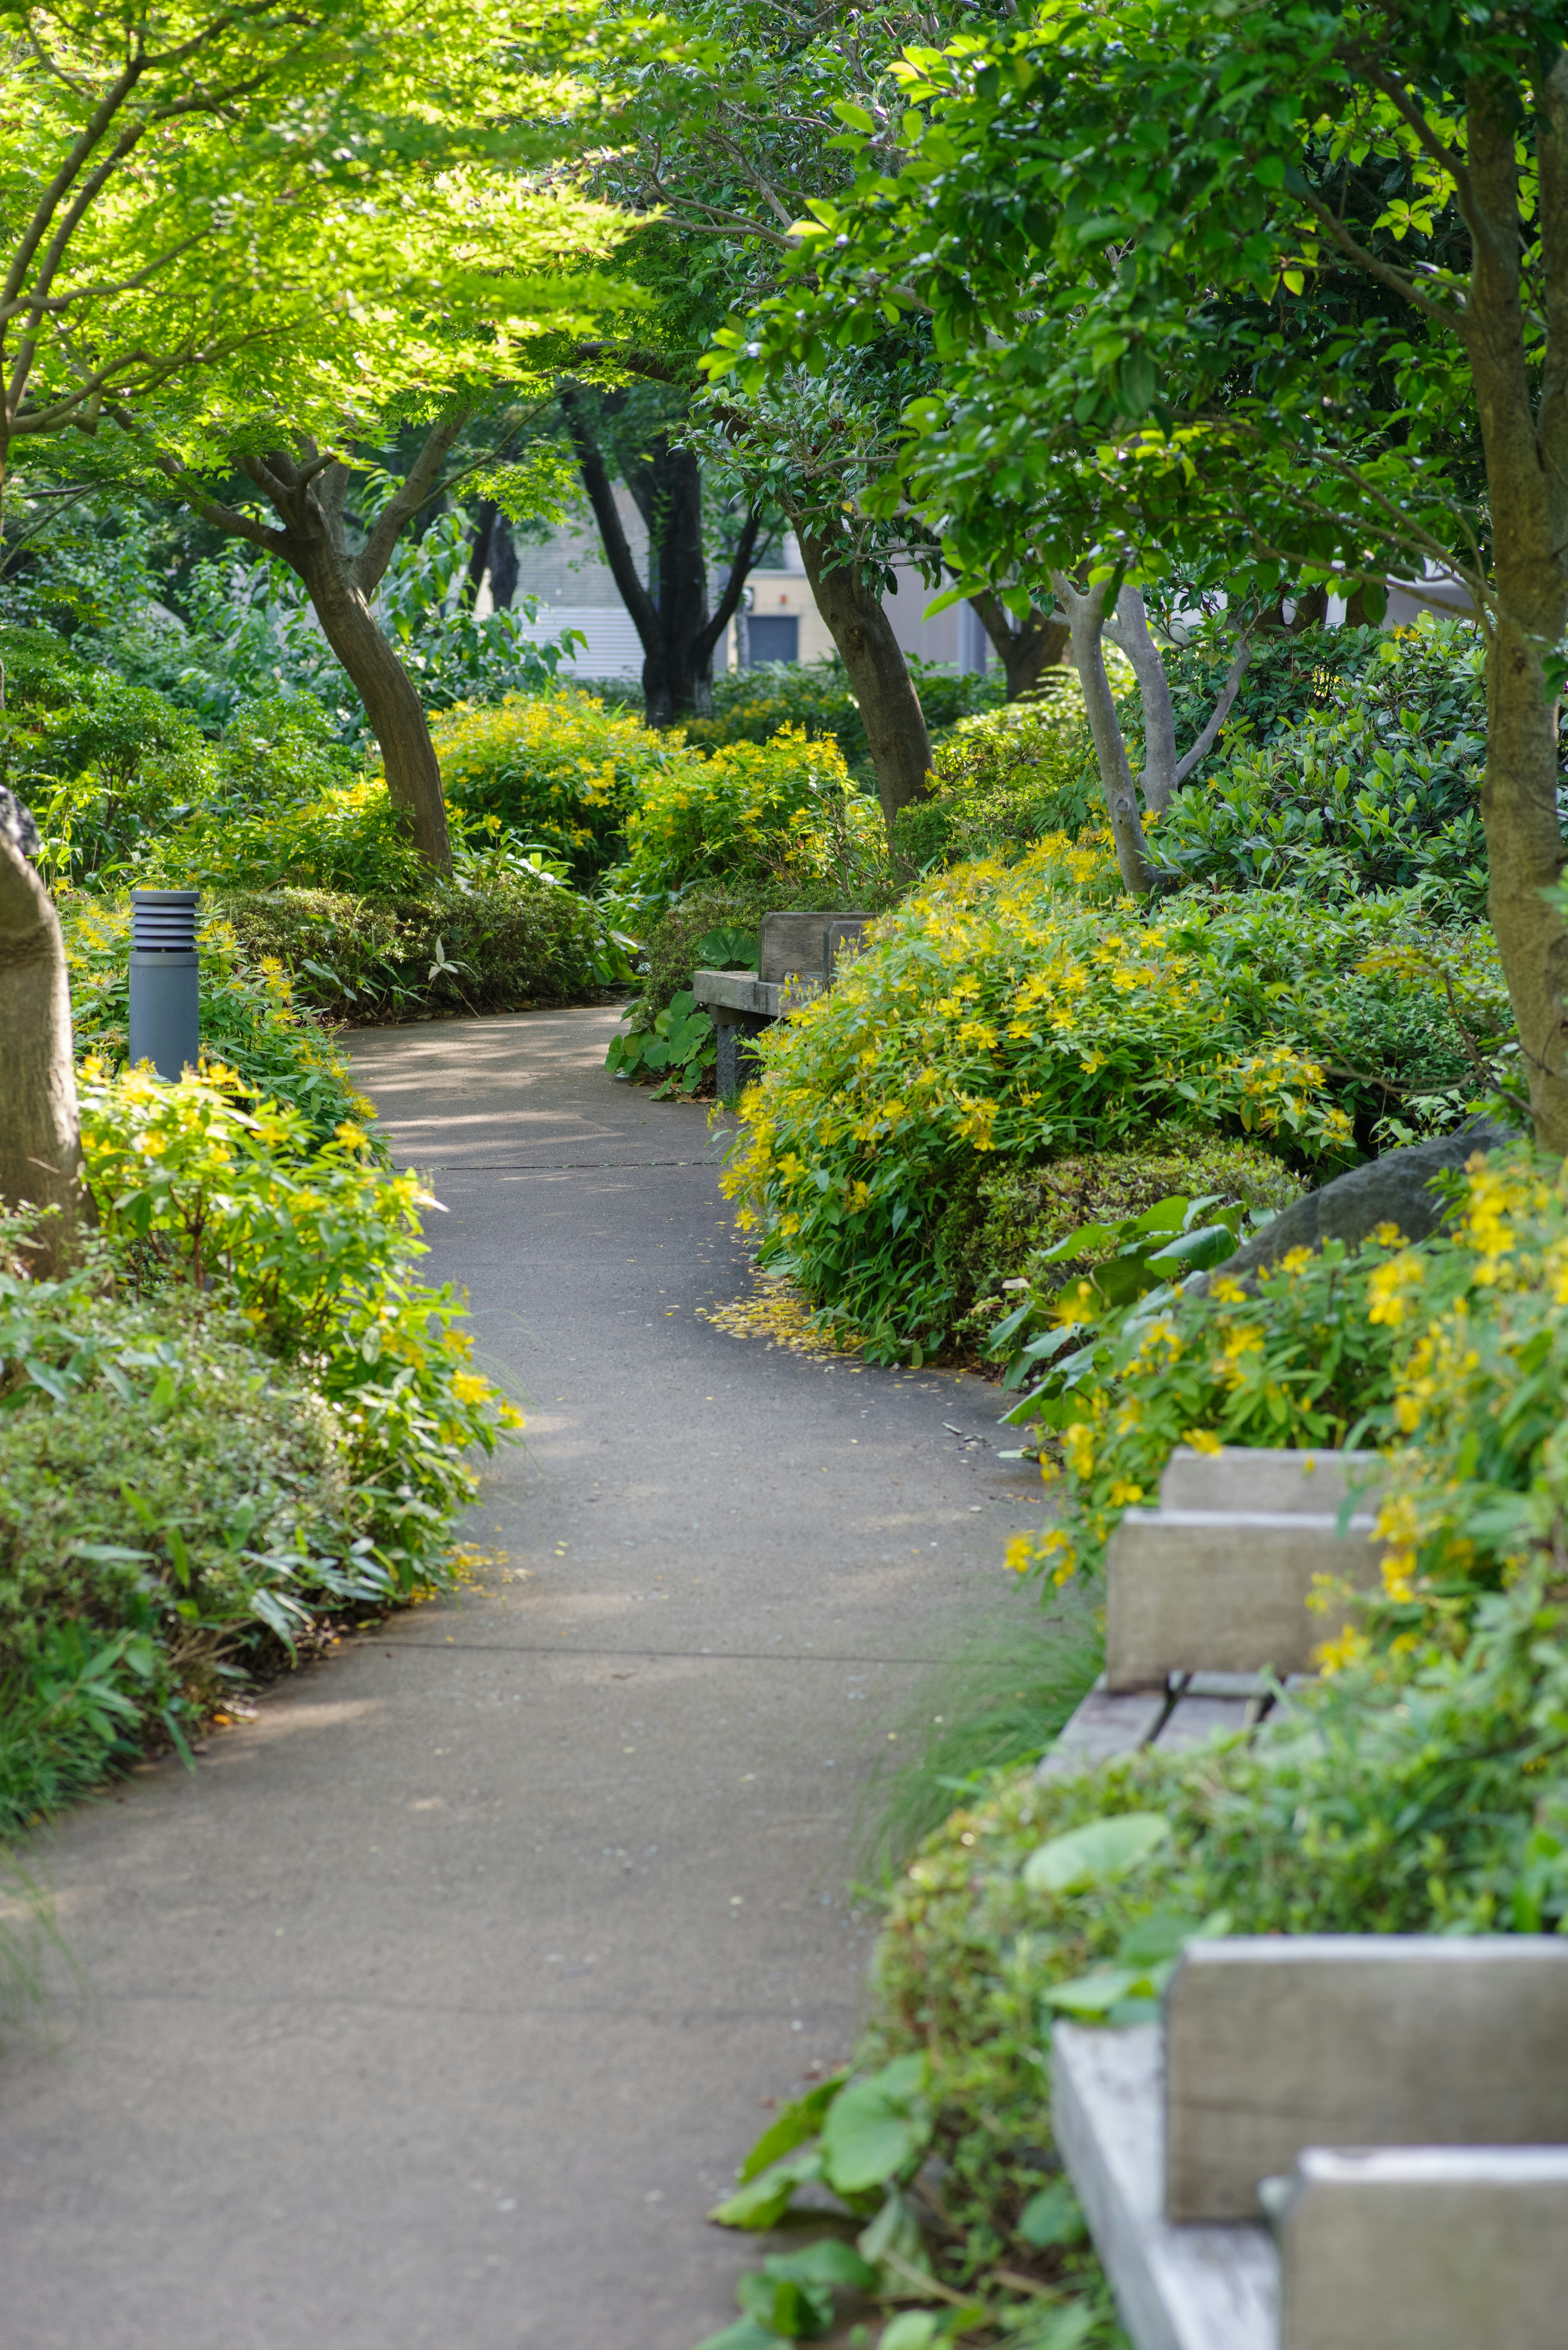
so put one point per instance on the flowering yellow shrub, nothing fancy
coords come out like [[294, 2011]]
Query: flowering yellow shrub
[[558, 767], [997, 1013], [751, 808]]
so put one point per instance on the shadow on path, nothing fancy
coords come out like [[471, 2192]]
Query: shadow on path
[[436, 2008]]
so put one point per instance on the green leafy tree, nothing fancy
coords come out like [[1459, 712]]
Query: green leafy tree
[[1275, 293], [244, 238]]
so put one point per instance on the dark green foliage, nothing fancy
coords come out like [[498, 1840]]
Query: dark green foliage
[[1006, 778], [750, 706], [1356, 767], [999, 1230], [503, 943]]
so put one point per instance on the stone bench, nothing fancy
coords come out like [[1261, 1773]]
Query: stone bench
[[1383, 2099], [1336, 2142], [796, 957], [1219, 1577]]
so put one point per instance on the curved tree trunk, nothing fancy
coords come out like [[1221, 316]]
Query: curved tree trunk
[[390, 697], [1086, 617], [1129, 627], [40, 1145], [889, 706]]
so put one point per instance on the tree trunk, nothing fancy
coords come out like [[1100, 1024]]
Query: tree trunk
[[1129, 629], [40, 1146], [391, 699], [670, 610], [1526, 457], [879, 675], [1026, 649], [307, 491], [1087, 619]]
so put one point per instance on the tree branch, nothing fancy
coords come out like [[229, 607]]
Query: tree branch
[[1219, 714], [735, 587], [377, 552], [634, 594]]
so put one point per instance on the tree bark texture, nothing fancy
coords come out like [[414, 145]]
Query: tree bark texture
[[1526, 451], [1128, 628], [890, 711], [1163, 772], [669, 609], [1087, 619], [1027, 649], [307, 490], [40, 1144]]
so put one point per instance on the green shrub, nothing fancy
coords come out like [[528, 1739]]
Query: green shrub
[[560, 769], [1375, 787], [317, 1248], [188, 1487], [499, 940], [1002, 1229], [749, 812], [995, 1011], [752, 705], [1007, 778]]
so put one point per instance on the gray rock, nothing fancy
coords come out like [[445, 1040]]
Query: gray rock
[[16, 824], [1396, 1189]]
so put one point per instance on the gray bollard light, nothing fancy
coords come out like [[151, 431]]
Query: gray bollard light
[[165, 1015]]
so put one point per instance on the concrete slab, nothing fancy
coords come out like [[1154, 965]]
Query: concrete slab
[[435, 2010]]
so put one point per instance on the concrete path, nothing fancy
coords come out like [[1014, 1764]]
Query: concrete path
[[435, 2010]]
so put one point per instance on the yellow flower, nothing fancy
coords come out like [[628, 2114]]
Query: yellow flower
[[1124, 1494], [1078, 1449], [1295, 1260], [469, 1388], [1338, 1655], [1202, 1440]]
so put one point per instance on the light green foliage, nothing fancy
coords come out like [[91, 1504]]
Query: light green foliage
[[995, 1011], [1007, 778], [208, 252], [251, 1020], [560, 769], [317, 1248], [752, 705], [1297, 1359], [750, 810]]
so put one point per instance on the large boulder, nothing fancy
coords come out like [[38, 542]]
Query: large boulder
[[1397, 1188]]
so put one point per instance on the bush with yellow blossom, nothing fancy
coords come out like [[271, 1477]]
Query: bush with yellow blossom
[[561, 768], [997, 1016], [239, 1417]]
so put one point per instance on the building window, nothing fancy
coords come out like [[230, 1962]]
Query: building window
[[775, 637]]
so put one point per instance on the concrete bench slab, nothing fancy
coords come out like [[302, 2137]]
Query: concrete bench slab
[[1426, 2248], [1254, 1477], [1192, 1590], [1277, 2043], [1214, 2288]]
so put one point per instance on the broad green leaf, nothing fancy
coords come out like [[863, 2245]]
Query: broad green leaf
[[1052, 2217], [874, 2127], [793, 2125], [1095, 1993], [745, 2333], [764, 2198], [912, 2329], [828, 2262], [1096, 1854]]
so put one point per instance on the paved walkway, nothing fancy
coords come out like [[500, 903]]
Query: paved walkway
[[433, 2011]]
